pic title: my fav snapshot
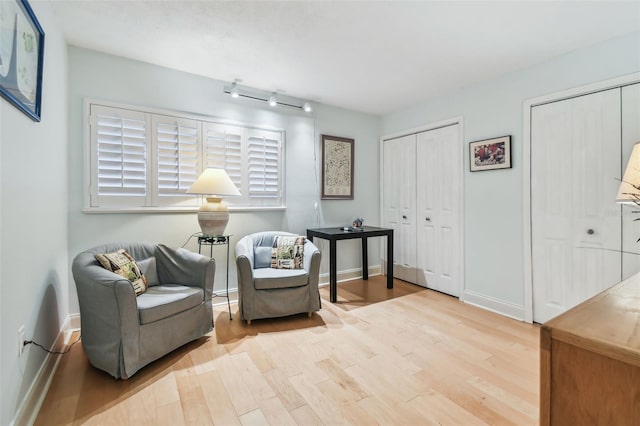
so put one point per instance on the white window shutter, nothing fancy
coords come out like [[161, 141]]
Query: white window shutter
[[223, 150], [177, 146], [264, 163], [119, 156], [149, 159]]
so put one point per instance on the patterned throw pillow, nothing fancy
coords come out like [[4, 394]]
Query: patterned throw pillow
[[287, 252], [123, 264]]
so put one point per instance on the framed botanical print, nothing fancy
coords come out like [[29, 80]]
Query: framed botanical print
[[337, 168]]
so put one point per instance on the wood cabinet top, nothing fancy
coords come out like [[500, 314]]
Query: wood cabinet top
[[608, 323]]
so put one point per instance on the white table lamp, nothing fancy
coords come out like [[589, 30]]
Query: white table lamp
[[213, 216], [629, 190]]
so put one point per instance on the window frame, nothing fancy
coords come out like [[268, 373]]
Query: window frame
[[177, 203]]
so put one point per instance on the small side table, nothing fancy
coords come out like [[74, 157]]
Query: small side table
[[216, 240]]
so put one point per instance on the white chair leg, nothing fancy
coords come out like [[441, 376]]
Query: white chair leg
[[248, 322], [309, 314]]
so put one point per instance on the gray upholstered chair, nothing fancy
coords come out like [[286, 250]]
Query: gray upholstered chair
[[122, 333], [264, 292]]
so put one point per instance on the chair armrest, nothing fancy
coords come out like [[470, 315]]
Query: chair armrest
[[312, 259], [244, 263], [181, 266], [108, 307]]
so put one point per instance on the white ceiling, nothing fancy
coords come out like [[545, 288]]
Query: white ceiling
[[375, 57]]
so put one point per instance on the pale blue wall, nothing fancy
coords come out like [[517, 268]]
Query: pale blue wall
[[34, 266], [493, 199], [106, 77]]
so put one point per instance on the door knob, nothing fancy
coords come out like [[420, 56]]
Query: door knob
[[590, 231], [404, 217], [428, 219]]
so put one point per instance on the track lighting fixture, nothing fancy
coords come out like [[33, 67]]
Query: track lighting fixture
[[273, 98]]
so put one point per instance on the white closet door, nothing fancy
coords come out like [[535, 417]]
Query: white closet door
[[630, 136], [576, 231], [438, 206], [399, 198]]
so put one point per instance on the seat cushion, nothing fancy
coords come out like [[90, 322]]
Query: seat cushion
[[268, 278], [162, 301]]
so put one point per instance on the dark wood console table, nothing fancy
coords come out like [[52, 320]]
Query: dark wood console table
[[335, 234]]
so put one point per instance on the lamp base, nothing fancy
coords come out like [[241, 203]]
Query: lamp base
[[213, 217]]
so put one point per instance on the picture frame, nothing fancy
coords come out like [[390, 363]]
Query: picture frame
[[490, 154], [21, 57], [337, 168]]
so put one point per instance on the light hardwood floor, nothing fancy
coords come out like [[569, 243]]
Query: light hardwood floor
[[405, 356]]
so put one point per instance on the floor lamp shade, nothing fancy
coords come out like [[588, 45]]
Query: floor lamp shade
[[629, 190], [213, 216]]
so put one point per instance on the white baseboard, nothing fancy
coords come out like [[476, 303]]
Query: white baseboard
[[349, 274], [221, 300], [494, 305], [32, 402]]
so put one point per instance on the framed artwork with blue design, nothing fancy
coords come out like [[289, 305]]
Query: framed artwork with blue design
[[21, 57]]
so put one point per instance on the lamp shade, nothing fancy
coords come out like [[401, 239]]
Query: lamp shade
[[629, 190], [214, 182]]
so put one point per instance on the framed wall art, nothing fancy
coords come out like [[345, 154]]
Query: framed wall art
[[21, 57], [490, 154], [337, 168]]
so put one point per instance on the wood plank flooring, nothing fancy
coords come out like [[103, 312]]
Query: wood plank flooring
[[405, 356]]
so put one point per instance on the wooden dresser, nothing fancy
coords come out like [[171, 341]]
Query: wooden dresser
[[590, 361]]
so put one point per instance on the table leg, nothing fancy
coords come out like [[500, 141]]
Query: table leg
[[365, 259], [228, 299], [390, 260], [333, 275]]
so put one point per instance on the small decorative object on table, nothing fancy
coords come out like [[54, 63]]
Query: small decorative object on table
[[356, 226]]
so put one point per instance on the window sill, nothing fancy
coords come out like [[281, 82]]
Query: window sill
[[148, 210]]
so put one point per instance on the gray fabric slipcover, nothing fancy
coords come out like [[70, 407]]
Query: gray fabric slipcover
[[122, 333], [269, 293]]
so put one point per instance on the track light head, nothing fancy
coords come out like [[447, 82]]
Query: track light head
[[273, 101], [234, 90], [307, 107]]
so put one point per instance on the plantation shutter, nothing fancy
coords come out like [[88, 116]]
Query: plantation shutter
[[177, 155], [146, 160], [223, 150], [264, 161], [119, 153]]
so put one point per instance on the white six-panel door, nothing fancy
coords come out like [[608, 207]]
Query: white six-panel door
[[438, 194], [399, 189], [575, 222], [422, 202]]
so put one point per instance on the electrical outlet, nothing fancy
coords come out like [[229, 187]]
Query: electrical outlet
[[20, 340]]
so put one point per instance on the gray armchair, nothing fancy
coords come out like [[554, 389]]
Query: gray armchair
[[264, 292], [122, 333]]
